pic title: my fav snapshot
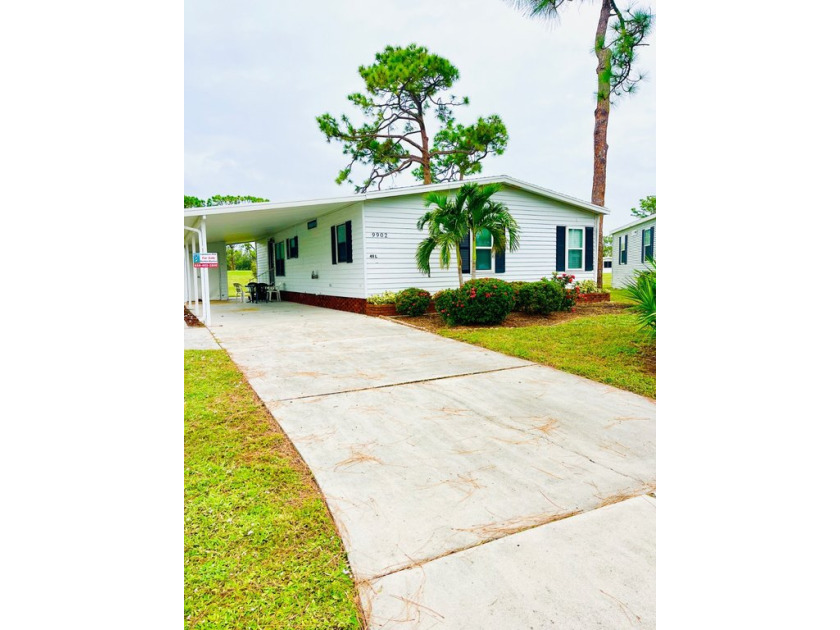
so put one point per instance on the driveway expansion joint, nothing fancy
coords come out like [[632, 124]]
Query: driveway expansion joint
[[422, 380]]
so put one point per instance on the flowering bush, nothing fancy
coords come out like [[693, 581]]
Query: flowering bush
[[542, 297], [388, 297], [482, 301], [587, 286], [412, 301], [570, 293], [516, 285], [445, 303]]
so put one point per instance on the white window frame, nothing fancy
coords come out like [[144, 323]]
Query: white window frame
[[622, 249], [492, 261], [644, 232], [582, 248]]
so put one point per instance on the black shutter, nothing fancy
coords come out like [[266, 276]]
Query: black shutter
[[349, 235], [643, 245], [465, 249], [500, 262], [652, 241], [589, 264], [560, 254], [332, 233]]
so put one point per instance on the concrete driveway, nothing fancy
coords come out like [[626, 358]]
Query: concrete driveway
[[471, 489]]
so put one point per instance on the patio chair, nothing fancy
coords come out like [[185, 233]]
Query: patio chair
[[273, 293], [240, 293]]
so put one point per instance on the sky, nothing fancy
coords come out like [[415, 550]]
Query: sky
[[257, 73]]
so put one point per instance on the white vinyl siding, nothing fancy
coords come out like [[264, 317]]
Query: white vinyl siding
[[391, 238], [622, 275], [315, 256]]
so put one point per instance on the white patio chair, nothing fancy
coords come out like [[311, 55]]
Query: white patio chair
[[240, 293]]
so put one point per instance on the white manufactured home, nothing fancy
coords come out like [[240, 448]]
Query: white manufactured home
[[632, 246], [337, 252]]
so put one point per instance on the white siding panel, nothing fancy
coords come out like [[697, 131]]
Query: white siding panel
[[391, 239], [315, 255], [262, 260], [623, 274]]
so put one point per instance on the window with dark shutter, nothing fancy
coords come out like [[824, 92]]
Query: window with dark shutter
[[342, 243], [589, 263]]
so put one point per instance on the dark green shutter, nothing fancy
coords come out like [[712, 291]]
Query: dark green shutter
[[589, 264], [465, 249], [349, 235], [500, 262], [332, 233], [560, 254], [652, 240], [643, 245]]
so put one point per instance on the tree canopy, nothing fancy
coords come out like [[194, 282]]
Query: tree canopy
[[220, 200], [647, 207], [401, 104], [618, 35]]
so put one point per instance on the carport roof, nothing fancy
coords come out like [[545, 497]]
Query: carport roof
[[254, 221]]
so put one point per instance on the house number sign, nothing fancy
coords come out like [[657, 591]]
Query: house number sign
[[379, 234]]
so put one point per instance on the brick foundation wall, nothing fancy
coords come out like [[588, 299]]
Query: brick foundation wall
[[353, 305], [594, 297]]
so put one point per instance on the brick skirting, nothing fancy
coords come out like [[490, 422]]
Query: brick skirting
[[353, 305], [593, 297]]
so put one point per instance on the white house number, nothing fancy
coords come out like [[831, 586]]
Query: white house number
[[379, 234]]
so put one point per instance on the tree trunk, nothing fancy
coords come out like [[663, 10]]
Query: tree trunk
[[427, 169], [472, 257], [460, 268], [602, 118]]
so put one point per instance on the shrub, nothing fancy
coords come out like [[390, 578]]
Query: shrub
[[643, 294], [587, 286], [445, 304], [570, 293], [484, 301], [516, 285], [412, 302], [541, 297], [388, 297]]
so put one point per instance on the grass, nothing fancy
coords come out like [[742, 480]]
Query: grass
[[605, 348], [619, 296], [240, 276], [260, 548]]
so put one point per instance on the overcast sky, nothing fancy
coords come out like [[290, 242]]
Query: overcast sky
[[257, 73]]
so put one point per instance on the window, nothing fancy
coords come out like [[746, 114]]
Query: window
[[483, 246], [280, 258], [342, 243], [575, 248], [647, 244], [292, 247], [622, 249]]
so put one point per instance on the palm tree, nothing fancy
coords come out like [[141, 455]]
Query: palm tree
[[492, 216], [467, 215], [447, 227]]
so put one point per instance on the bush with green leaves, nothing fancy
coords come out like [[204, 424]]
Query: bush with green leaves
[[570, 292], [541, 297], [516, 285], [587, 286], [412, 302], [642, 292], [483, 301], [445, 304], [388, 297]]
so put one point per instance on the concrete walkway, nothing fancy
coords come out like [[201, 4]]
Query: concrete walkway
[[471, 489]]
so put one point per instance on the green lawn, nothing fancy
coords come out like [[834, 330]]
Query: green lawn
[[243, 277], [260, 548], [605, 348], [616, 295]]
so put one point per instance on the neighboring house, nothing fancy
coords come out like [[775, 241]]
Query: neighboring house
[[633, 244], [337, 252]]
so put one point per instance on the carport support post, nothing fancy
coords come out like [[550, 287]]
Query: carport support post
[[205, 277]]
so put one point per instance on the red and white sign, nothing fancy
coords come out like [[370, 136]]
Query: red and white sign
[[206, 261]]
